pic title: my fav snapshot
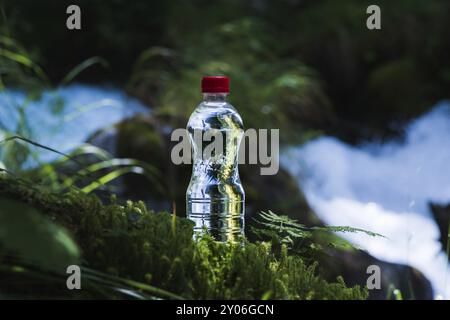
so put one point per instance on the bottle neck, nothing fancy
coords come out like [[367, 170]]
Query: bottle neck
[[215, 97]]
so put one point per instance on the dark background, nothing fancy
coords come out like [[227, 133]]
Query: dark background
[[366, 82]]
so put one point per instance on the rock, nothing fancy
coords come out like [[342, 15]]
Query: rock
[[144, 139], [352, 266], [396, 91], [441, 214]]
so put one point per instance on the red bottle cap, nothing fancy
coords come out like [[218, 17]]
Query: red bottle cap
[[215, 84]]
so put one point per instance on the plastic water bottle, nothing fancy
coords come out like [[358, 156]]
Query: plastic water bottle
[[215, 197]]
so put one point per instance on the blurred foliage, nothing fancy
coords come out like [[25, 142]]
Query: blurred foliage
[[18, 70], [28, 234], [87, 167], [132, 242], [294, 63], [16, 149], [268, 92]]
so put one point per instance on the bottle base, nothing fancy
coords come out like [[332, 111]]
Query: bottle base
[[223, 225]]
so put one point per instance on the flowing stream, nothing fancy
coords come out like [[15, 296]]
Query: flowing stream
[[65, 117], [385, 188]]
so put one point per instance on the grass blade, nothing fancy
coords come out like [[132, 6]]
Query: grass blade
[[81, 67]]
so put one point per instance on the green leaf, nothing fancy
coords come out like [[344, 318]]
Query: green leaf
[[26, 233], [346, 229], [23, 60], [81, 67]]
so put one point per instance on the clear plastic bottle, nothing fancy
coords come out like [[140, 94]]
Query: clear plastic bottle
[[215, 197]]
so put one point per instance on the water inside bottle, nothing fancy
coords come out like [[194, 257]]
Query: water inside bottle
[[215, 197]]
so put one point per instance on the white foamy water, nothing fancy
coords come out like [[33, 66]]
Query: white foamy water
[[85, 109], [384, 188]]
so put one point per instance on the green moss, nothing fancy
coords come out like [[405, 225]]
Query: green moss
[[134, 242]]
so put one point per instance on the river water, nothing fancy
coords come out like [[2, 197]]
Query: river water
[[384, 188], [84, 110]]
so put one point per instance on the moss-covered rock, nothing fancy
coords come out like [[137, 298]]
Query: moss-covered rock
[[133, 242]]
